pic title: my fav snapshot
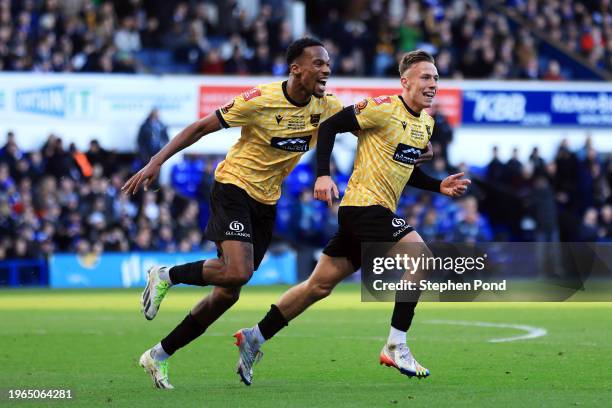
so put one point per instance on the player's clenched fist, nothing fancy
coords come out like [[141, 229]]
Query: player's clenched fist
[[323, 189], [145, 176]]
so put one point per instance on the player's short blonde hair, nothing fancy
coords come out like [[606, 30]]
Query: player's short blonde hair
[[412, 57]]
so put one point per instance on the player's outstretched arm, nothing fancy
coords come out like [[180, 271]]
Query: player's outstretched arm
[[341, 122], [185, 138]]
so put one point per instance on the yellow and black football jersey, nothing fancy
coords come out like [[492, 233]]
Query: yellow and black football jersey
[[391, 139], [276, 131]]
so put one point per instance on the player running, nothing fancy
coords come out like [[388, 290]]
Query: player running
[[393, 132], [279, 123]]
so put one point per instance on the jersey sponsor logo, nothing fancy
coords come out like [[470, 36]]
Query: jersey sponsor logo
[[250, 94], [398, 222], [278, 119], [404, 124], [406, 154], [382, 99], [360, 106], [292, 144], [227, 107], [314, 119]]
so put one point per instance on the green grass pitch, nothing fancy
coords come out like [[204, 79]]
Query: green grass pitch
[[90, 340]]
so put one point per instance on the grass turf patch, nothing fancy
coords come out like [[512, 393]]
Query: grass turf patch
[[90, 341]]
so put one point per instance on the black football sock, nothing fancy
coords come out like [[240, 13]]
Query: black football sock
[[186, 331], [272, 323], [403, 312], [189, 274]]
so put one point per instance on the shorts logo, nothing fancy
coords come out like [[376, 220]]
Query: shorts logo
[[236, 229], [401, 226], [398, 222], [236, 226], [291, 144], [406, 154], [250, 94]]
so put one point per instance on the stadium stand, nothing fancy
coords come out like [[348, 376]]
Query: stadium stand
[[45, 208], [58, 198], [517, 40]]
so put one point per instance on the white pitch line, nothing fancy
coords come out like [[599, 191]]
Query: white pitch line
[[532, 332]]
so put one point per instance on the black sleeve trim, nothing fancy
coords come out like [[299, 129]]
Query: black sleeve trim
[[220, 117], [343, 121], [420, 179]]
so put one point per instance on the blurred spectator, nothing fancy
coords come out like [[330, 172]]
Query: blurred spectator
[[588, 230], [213, 64], [152, 136], [553, 72], [127, 37], [495, 168], [442, 134], [470, 227], [544, 211]]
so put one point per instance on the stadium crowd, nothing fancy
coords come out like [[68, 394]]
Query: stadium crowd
[[583, 27], [57, 199], [249, 37]]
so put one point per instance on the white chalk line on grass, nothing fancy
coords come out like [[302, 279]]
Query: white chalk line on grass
[[532, 332]]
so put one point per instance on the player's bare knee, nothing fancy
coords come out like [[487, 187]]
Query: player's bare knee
[[238, 274]]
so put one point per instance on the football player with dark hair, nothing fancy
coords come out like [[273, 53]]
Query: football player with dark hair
[[279, 123]]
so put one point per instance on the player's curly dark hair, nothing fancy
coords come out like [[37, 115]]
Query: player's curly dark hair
[[296, 48], [412, 57]]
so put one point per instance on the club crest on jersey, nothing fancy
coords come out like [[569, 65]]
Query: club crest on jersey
[[379, 100], [250, 94], [278, 119], [314, 119], [292, 144], [406, 154], [428, 128], [227, 107], [360, 106]]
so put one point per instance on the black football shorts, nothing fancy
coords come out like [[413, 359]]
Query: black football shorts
[[373, 223], [236, 216]]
